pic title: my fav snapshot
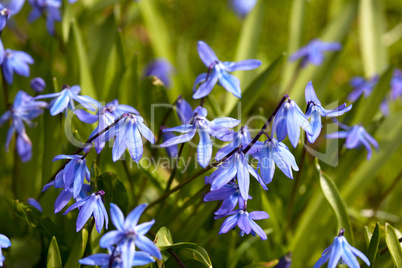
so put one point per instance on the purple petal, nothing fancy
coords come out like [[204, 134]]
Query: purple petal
[[206, 53]]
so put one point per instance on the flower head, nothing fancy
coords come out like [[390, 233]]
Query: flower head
[[396, 84], [4, 15], [48, 8], [128, 133], [360, 86], [218, 72], [274, 152], [160, 68], [129, 235], [103, 260], [15, 61], [288, 121], [355, 137], [24, 109], [313, 52], [245, 221], [38, 84], [92, 205], [184, 110], [105, 116], [315, 111], [172, 150], [4, 243], [341, 251], [217, 128], [236, 167], [64, 100], [242, 7]]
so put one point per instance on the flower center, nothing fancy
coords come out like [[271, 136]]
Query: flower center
[[4, 12]]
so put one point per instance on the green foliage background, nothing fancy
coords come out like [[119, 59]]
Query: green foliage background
[[103, 45]]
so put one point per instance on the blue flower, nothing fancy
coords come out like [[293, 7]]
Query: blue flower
[[13, 6], [274, 152], [35, 204], [15, 61], [230, 195], [4, 243], [315, 111], [285, 261], [360, 86], [38, 84], [184, 110], [24, 109], [103, 260], [64, 100], [73, 174], [173, 150], [243, 7], [2, 52], [236, 167], [48, 8], [128, 133], [245, 221], [288, 121], [129, 235], [160, 68], [4, 15], [105, 116], [92, 205], [313, 52], [341, 251], [218, 72], [355, 137], [243, 138], [217, 128], [396, 84]]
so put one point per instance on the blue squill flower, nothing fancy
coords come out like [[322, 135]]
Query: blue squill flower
[[128, 133], [15, 62], [217, 128], [315, 111], [242, 7], [105, 116], [2, 52], [184, 110], [340, 251], [92, 205], [230, 195], [104, 260], [38, 84], [285, 261], [24, 109], [74, 173], [173, 150], [129, 235], [313, 52], [64, 100], [242, 137], [236, 167], [360, 86], [245, 221], [35, 204], [355, 137], [274, 152], [13, 7], [396, 84], [47, 8], [288, 121], [4, 15], [218, 72], [4, 243], [160, 68]]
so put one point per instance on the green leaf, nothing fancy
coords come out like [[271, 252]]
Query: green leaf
[[331, 193], [367, 235], [164, 240], [53, 255], [194, 257], [86, 81], [374, 243], [66, 23], [114, 189], [247, 48], [78, 249], [255, 90], [371, 23], [393, 245]]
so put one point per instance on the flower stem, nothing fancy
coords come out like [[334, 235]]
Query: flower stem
[[5, 91], [173, 174], [177, 259]]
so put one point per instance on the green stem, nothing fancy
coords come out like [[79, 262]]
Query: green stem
[[173, 174]]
